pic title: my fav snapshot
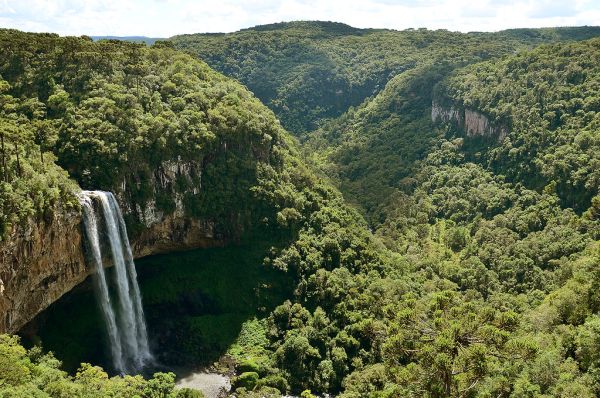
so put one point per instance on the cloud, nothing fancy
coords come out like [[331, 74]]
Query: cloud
[[164, 18], [553, 8]]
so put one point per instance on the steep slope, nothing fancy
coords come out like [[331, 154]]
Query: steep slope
[[496, 293], [182, 146], [547, 103], [310, 71], [373, 151], [491, 214], [491, 287], [114, 119], [188, 151]]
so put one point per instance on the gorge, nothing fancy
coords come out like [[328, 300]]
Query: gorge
[[50, 252], [430, 226]]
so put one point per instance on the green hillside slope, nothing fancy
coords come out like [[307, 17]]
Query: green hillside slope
[[310, 71], [106, 113], [548, 100], [480, 278]]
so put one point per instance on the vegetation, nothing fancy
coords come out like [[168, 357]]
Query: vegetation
[[31, 185], [476, 274], [373, 151], [30, 373], [120, 110], [549, 100], [113, 113], [310, 71], [492, 291]]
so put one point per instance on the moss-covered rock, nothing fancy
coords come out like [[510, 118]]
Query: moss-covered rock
[[246, 380]]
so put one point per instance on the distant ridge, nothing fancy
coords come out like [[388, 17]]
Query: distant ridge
[[308, 72], [134, 39], [325, 26]]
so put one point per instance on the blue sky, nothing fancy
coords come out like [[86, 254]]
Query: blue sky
[[163, 18]]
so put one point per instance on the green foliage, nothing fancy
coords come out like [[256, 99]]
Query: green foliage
[[189, 393], [307, 394], [481, 277], [311, 71], [130, 112], [548, 99], [372, 151], [151, 124], [495, 274], [264, 392], [32, 187], [246, 380], [34, 374]]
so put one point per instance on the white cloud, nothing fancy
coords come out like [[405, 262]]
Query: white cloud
[[163, 18]]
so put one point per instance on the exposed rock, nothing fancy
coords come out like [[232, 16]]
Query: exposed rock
[[444, 114], [212, 385], [472, 122], [174, 234], [46, 259], [38, 265]]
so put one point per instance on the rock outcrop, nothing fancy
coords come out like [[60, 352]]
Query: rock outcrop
[[46, 259], [175, 234], [472, 122], [38, 264]]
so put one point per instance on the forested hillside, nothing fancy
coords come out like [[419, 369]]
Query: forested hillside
[[498, 235], [501, 225], [110, 113], [548, 99], [308, 72], [373, 151], [106, 113], [512, 220], [476, 274]]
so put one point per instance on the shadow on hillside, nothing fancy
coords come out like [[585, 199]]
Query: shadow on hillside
[[195, 303]]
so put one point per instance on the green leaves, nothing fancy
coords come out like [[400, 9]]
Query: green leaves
[[33, 374]]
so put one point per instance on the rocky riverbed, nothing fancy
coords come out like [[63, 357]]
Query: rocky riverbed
[[213, 385]]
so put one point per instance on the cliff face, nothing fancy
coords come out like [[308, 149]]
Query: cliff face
[[38, 265], [166, 232], [175, 234], [45, 260], [472, 122]]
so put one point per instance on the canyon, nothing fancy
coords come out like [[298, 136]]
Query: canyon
[[42, 261]]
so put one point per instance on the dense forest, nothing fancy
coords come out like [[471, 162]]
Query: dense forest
[[424, 261], [309, 71], [104, 113], [503, 228]]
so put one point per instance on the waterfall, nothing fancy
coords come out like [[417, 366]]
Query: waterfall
[[124, 317], [91, 230]]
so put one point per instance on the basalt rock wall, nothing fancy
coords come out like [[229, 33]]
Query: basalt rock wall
[[472, 122], [45, 259]]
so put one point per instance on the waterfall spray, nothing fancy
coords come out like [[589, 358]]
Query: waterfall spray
[[125, 324]]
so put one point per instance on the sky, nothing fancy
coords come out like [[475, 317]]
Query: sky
[[165, 18]]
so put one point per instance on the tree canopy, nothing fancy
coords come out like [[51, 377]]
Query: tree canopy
[[475, 272], [310, 71]]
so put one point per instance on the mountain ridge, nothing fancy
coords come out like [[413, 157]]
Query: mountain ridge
[[309, 72], [465, 266]]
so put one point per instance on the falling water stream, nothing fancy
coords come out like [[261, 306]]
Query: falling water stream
[[124, 317]]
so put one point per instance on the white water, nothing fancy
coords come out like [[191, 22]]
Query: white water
[[125, 322], [91, 229]]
